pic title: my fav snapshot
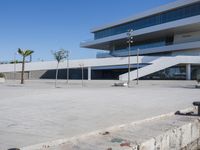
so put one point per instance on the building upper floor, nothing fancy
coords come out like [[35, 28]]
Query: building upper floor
[[161, 26], [180, 10]]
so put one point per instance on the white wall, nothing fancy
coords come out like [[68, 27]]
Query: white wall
[[51, 65]]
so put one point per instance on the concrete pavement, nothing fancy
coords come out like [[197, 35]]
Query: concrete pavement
[[37, 112]]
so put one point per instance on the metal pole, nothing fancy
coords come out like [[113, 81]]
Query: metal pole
[[29, 74], [30, 58], [129, 34], [137, 66], [82, 73], [14, 66], [129, 62], [67, 67]]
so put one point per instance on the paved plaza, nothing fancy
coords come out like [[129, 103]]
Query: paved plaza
[[37, 112]]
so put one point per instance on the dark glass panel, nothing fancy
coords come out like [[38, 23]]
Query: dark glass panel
[[172, 15]]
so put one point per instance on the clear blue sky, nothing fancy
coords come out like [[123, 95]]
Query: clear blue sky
[[45, 25]]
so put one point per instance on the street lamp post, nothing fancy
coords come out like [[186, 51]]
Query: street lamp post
[[138, 52], [29, 74], [130, 41], [67, 67], [15, 54], [30, 58]]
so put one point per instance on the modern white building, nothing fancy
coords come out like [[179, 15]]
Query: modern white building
[[166, 38], [170, 32]]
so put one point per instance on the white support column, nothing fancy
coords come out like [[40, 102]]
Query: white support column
[[188, 71], [89, 73]]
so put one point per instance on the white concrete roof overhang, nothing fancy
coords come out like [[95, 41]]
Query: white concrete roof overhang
[[180, 26]]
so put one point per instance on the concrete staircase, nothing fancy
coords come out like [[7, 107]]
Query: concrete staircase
[[160, 64]]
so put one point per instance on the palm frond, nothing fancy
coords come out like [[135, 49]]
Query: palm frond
[[25, 53], [28, 52], [20, 51]]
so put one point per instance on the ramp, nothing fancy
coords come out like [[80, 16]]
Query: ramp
[[160, 64]]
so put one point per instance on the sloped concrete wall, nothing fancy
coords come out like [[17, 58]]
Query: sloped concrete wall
[[193, 146], [182, 138]]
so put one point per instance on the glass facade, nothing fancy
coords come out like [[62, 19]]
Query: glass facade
[[159, 42], [195, 72], [171, 15], [172, 73]]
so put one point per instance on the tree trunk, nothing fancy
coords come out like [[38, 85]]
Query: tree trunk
[[22, 73], [56, 75]]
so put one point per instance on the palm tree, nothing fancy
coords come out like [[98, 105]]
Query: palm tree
[[24, 54], [59, 56]]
